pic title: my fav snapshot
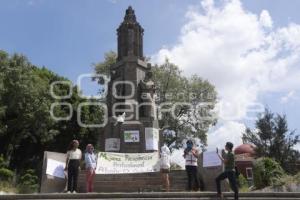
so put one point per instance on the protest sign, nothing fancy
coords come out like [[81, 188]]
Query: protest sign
[[123, 163]]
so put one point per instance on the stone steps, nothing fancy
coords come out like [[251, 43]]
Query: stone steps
[[154, 196], [145, 182], [153, 175]]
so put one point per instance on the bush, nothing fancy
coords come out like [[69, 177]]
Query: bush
[[243, 183], [267, 172], [288, 179], [6, 175], [3, 162], [7, 187], [297, 178], [28, 182]]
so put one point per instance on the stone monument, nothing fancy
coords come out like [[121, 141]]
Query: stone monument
[[132, 124]]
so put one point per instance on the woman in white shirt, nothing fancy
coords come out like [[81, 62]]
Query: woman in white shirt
[[165, 165], [73, 165], [90, 166]]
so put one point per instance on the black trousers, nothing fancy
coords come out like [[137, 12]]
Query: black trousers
[[192, 174], [73, 171], [232, 181]]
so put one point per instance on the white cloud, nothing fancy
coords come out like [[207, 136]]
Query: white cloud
[[265, 19], [229, 131], [289, 96], [240, 52]]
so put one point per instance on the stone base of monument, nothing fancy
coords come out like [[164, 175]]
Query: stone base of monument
[[117, 131]]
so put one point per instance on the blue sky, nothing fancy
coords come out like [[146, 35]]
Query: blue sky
[[67, 36]]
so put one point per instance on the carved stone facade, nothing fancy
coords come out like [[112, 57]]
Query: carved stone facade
[[131, 90]]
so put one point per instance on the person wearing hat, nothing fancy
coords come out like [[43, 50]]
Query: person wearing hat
[[229, 172], [191, 155], [90, 167], [165, 164], [73, 165]]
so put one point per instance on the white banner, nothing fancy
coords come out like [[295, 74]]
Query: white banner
[[152, 138], [55, 168], [211, 159], [125, 163]]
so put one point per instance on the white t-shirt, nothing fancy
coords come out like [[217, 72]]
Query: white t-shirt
[[190, 159], [74, 154], [165, 161]]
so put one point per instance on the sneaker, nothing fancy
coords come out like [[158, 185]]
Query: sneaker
[[74, 192], [69, 192]]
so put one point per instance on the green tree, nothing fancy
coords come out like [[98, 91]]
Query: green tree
[[26, 114], [26, 127], [70, 129], [194, 97], [273, 139], [103, 68]]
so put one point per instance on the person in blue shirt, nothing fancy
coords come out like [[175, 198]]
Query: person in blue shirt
[[90, 167]]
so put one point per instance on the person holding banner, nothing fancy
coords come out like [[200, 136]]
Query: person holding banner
[[90, 167], [165, 165], [73, 165], [191, 155], [229, 173]]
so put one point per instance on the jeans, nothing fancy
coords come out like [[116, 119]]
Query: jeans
[[192, 174], [73, 172], [232, 181]]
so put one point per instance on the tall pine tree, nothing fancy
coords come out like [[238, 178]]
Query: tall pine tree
[[273, 139]]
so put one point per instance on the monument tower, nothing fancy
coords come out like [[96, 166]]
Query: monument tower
[[132, 124]]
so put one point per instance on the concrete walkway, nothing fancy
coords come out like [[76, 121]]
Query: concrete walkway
[[154, 196]]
